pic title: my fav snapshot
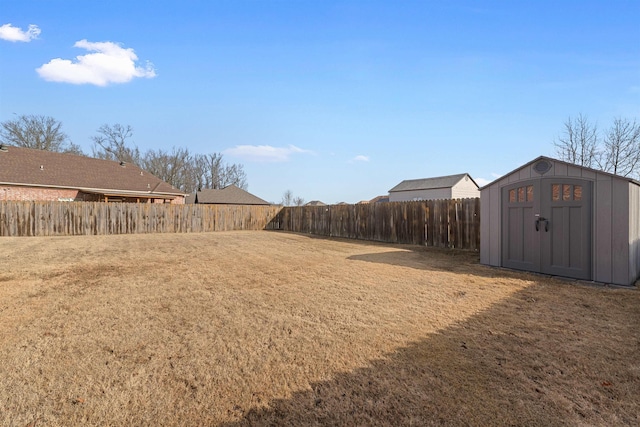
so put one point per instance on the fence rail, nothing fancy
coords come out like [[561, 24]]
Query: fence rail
[[18, 218], [439, 223]]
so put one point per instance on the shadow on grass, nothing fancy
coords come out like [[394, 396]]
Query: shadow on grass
[[443, 260], [551, 354]]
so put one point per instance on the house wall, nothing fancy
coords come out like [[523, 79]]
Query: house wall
[[464, 189], [413, 195], [21, 193], [35, 193], [616, 243]]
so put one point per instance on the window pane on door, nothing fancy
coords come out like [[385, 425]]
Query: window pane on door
[[566, 192], [521, 194], [512, 196], [529, 193], [577, 192], [555, 192]]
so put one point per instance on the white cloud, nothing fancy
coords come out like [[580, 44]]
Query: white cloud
[[483, 181], [361, 158], [110, 63], [264, 153], [15, 34]]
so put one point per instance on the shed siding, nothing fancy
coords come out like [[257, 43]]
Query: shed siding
[[560, 169], [602, 229], [486, 236], [493, 220], [634, 232], [620, 221]]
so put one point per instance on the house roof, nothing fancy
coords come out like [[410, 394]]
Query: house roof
[[379, 199], [231, 195], [431, 183], [40, 168], [315, 203], [563, 162]]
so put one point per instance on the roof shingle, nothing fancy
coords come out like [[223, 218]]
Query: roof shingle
[[231, 195], [29, 167], [429, 183]]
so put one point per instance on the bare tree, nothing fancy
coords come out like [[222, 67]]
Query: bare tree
[[212, 172], [233, 175], [621, 151], [113, 143], [172, 167], [210, 166], [185, 171], [38, 132], [287, 198], [298, 201], [579, 142]]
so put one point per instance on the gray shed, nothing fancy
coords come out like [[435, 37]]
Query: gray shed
[[561, 219]]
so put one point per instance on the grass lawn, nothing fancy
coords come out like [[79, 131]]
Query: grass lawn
[[269, 328]]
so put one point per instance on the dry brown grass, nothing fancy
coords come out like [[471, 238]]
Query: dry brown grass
[[265, 328]]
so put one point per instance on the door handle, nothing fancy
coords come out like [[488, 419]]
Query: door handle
[[546, 224]]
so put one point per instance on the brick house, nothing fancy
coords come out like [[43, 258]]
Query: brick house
[[28, 174]]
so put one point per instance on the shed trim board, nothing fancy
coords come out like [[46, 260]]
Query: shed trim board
[[557, 218]]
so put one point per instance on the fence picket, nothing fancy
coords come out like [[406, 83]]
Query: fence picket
[[31, 218], [440, 223]]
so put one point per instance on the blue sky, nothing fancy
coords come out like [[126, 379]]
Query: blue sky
[[333, 100]]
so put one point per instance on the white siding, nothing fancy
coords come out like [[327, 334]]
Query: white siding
[[464, 189]]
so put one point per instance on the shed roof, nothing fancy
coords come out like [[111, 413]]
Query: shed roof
[[551, 159], [431, 183], [231, 195], [41, 168]]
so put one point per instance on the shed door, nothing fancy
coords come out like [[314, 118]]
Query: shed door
[[566, 240], [520, 241], [546, 227]]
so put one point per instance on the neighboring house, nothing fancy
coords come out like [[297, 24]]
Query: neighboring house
[[459, 186], [315, 203], [231, 195], [379, 199], [28, 174], [553, 217]]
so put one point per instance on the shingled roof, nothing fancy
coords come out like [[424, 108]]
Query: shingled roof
[[40, 168], [231, 195], [430, 183]]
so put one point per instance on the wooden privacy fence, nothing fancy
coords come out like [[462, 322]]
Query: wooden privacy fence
[[439, 223], [86, 218]]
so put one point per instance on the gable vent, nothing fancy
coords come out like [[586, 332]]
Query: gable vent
[[542, 167]]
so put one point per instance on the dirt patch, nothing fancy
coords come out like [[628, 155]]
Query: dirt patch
[[267, 328]]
